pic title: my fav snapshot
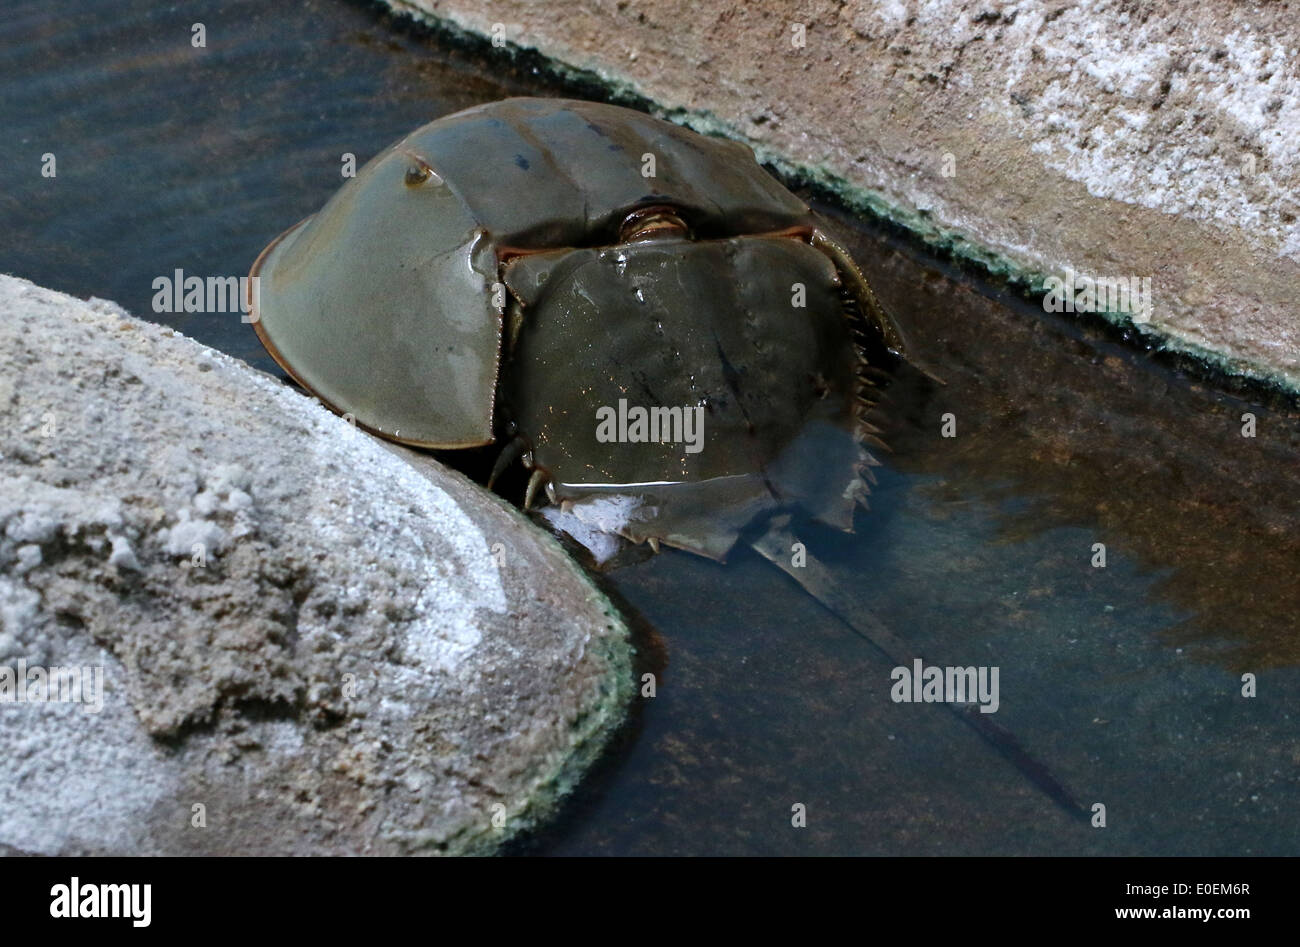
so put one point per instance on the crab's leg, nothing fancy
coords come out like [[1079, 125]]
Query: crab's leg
[[818, 580], [538, 479], [508, 455]]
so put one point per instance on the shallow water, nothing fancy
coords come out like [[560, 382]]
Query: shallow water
[[1123, 681]]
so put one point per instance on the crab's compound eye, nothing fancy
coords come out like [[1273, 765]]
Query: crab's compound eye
[[418, 173]]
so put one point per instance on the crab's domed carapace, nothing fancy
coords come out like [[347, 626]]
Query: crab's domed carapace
[[518, 267]]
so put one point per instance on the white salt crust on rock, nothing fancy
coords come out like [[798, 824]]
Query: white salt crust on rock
[[329, 644]]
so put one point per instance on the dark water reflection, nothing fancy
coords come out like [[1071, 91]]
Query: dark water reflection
[[1061, 427], [1125, 680]]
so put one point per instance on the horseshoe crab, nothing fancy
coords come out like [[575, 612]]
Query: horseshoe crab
[[641, 314], [561, 280]]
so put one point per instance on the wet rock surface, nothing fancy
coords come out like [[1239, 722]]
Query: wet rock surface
[[309, 641]]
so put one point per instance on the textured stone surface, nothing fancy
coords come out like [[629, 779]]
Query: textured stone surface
[[328, 644], [1120, 139]]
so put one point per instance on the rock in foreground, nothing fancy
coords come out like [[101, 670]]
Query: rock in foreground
[[310, 642]]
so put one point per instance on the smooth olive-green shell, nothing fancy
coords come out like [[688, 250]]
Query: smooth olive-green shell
[[383, 303]]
